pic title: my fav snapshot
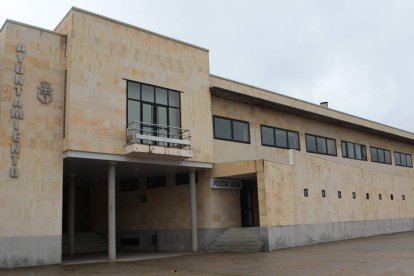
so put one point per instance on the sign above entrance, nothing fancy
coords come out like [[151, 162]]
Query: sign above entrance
[[225, 183]]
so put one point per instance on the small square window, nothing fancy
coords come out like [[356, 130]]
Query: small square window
[[323, 193], [380, 196], [305, 192], [403, 197], [392, 197], [339, 194], [129, 185], [353, 195], [367, 195]]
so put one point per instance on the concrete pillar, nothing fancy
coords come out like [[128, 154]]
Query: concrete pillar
[[193, 200], [111, 213], [71, 215]]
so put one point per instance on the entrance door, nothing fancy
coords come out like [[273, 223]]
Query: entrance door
[[247, 204]]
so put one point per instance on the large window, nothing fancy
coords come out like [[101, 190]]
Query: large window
[[321, 145], [231, 130], [403, 159], [354, 151], [380, 155], [150, 105], [280, 138]]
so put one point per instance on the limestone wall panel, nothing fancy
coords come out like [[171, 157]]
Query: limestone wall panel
[[31, 203], [102, 56]]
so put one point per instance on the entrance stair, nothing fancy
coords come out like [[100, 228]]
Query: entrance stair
[[85, 243], [238, 240]]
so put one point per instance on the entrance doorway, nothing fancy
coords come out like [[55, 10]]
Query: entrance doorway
[[249, 204]]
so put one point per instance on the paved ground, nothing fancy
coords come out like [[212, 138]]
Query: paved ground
[[380, 255]]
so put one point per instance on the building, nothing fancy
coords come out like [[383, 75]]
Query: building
[[123, 134]]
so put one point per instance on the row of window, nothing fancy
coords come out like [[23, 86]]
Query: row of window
[[354, 195], [238, 131], [157, 182]]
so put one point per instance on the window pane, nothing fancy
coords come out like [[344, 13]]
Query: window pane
[[374, 154], [134, 111], [148, 113], [162, 120], [134, 90], [331, 146], [240, 131], [162, 116], [174, 98], [351, 152], [222, 128], [293, 138], [281, 139], [174, 121], [147, 93], [147, 117], [387, 156], [397, 157], [310, 143], [403, 160], [321, 144], [268, 136], [358, 152], [174, 114], [364, 152], [344, 152], [381, 156], [161, 96], [409, 161]]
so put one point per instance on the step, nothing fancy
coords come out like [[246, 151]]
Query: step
[[238, 240], [237, 243]]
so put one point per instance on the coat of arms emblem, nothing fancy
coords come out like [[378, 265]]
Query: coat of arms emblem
[[44, 92]]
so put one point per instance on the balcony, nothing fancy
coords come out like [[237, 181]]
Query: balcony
[[153, 140]]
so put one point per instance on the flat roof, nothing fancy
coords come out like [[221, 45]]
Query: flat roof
[[234, 90]]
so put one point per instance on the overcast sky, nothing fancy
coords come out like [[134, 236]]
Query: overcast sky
[[356, 54]]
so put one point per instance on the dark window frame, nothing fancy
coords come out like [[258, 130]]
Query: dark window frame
[[231, 129], [274, 137], [129, 185], [378, 161], [316, 144], [153, 104], [346, 149], [405, 154], [155, 182], [184, 178]]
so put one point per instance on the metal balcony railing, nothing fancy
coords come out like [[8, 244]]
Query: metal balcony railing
[[160, 135]]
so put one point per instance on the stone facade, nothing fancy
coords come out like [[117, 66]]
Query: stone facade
[[88, 60], [31, 205]]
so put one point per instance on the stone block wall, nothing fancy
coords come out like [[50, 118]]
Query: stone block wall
[[31, 199]]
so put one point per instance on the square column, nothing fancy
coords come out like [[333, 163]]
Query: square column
[[111, 212], [193, 200], [71, 216]]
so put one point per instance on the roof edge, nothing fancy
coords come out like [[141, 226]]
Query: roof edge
[[30, 26], [316, 105], [128, 25]]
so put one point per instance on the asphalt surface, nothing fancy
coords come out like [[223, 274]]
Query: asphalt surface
[[379, 255]]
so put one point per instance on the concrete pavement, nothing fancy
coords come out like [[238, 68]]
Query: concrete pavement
[[379, 255]]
